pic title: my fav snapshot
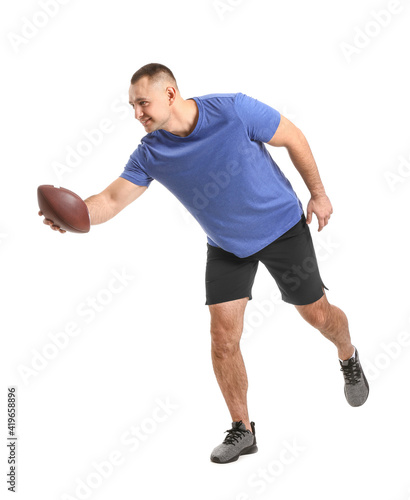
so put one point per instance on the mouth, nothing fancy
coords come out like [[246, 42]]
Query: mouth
[[146, 121]]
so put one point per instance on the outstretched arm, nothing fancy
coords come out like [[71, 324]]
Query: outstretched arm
[[105, 205], [291, 137], [108, 203]]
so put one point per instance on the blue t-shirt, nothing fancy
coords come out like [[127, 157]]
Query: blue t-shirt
[[222, 173]]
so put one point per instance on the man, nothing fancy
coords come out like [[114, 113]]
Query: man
[[210, 153]]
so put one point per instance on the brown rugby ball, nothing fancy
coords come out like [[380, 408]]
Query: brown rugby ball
[[65, 208]]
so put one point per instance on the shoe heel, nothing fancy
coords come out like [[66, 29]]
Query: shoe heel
[[251, 449]]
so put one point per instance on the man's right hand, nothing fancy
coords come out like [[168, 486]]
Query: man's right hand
[[50, 223], [108, 203]]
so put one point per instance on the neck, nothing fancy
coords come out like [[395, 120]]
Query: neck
[[184, 117]]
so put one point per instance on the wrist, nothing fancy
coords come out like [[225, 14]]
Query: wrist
[[320, 193]]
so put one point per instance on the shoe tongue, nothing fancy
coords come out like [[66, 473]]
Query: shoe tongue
[[347, 361], [238, 425]]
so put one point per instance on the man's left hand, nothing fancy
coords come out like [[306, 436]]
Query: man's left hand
[[321, 206]]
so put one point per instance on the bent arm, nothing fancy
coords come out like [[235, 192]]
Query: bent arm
[[292, 138], [105, 205]]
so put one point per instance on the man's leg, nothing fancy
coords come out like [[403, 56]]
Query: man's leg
[[331, 322], [227, 361]]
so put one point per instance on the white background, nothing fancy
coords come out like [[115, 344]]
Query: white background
[[150, 342]]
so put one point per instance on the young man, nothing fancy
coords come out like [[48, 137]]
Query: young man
[[210, 153]]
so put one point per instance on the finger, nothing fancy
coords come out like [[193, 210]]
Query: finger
[[40, 213], [325, 221], [56, 228], [62, 230], [321, 224], [48, 222], [309, 216]]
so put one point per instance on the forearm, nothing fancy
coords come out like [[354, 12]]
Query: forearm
[[302, 158], [99, 208]]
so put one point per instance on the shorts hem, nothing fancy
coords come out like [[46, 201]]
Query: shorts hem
[[305, 303], [212, 303]]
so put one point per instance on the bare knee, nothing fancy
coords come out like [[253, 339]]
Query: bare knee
[[226, 326], [316, 314], [318, 320], [224, 343]]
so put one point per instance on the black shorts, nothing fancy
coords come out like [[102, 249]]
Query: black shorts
[[290, 259]]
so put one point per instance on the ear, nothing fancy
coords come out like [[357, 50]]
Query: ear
[[171, 94]]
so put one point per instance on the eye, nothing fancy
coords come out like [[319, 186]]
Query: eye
[[142, 102]]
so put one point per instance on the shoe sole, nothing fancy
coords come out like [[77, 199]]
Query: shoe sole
[[246, 451]]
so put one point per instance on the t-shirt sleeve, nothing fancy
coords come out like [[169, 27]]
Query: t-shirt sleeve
[[260, 120], [134, 169]]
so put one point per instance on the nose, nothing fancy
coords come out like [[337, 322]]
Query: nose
[[138, 113]]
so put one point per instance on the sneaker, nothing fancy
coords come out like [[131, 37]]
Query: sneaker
[[356, 385], [239, 441]]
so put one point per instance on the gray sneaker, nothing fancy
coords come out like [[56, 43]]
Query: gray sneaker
[[356, 385], [239, 441]]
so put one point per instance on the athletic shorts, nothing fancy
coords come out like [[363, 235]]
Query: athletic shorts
[[290, 259]]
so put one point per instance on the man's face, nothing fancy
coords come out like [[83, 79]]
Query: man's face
[[151, 103]]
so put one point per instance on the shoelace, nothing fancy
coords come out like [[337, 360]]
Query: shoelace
[[351, 372], [234, 435]]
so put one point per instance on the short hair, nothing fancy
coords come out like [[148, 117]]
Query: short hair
[[155, 72]]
